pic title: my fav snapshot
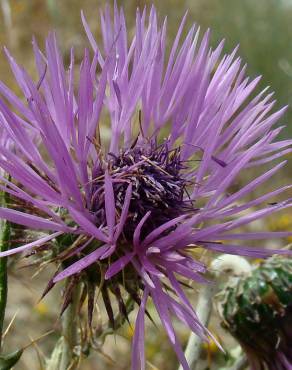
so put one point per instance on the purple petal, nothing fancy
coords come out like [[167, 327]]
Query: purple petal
[[243, 250], [138, 350], [110, 209], [87, 225], [118, 265], [81, 264], [137, 232], [124, 213], [28, 246], [31, 221]]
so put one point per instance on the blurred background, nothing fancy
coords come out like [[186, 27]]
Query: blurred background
[[263, 28]]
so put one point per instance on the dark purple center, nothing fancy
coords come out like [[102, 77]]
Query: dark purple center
[[158, 186]]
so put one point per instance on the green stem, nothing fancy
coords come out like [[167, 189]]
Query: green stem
[[63, 356], [70, 331], [4, 245], [5, 235]]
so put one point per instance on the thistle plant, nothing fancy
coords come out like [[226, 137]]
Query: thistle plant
[[123, 216], [257, 311]]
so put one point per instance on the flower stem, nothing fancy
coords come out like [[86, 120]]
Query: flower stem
[[70, 331], [4, 245], [239, 266], [4, 240], [63, 356], [204, 309]]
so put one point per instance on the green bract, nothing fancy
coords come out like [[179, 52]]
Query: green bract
[[257, 310]]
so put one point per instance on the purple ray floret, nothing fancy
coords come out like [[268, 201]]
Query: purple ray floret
[[137, 161]]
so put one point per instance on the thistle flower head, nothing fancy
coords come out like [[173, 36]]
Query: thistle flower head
[[257, 310], [124, 214]]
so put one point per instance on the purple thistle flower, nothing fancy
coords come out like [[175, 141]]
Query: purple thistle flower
[[182, 128]]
